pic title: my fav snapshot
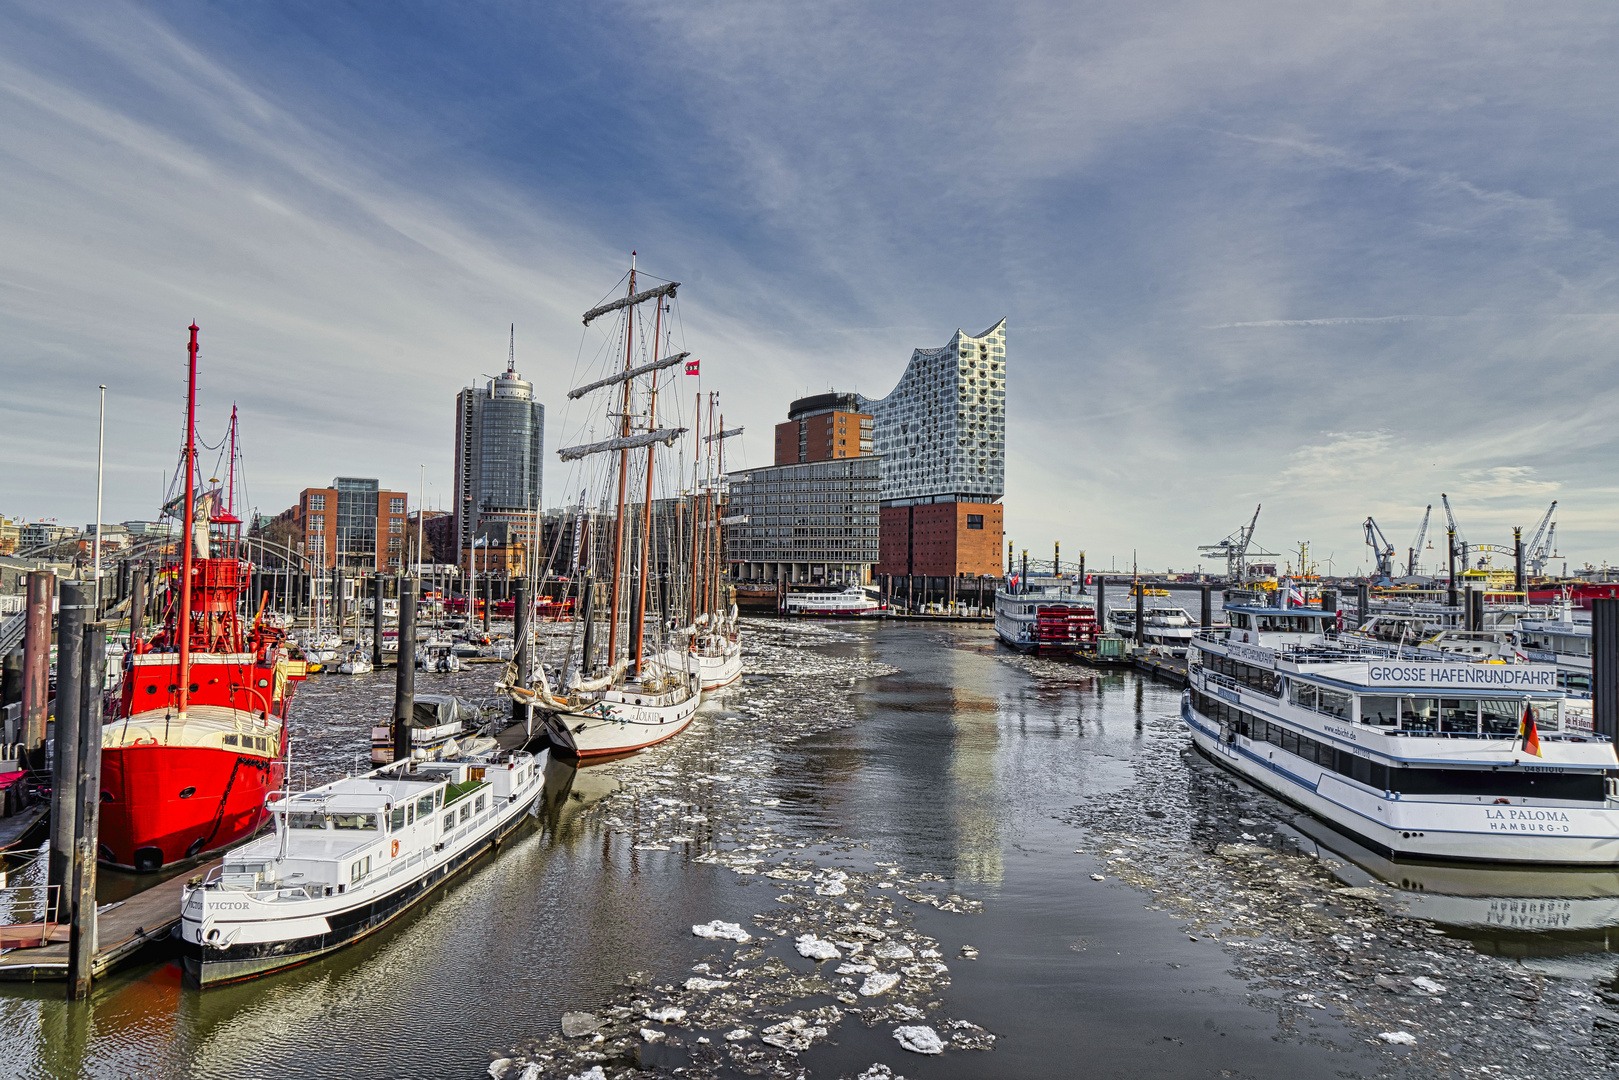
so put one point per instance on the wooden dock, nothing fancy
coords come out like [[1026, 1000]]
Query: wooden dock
[[124, 931], [1169, 669]]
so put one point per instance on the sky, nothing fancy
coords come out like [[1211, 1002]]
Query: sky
[[1328, 258]]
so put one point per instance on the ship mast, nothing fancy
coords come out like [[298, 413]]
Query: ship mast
[[623, 481], [190, 494], [646, 509], [696, 500]]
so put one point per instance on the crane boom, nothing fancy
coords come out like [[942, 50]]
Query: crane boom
[[1422, 534], [1381, 548], [1535, 553]]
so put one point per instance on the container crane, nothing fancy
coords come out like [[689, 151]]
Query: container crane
[[1234, 549], [1383, 550], [1539, 550], [1422, 534]]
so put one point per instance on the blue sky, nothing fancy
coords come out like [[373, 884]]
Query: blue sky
[[1335, 258]]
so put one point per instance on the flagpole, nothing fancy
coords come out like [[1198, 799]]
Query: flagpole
[[101, 457]]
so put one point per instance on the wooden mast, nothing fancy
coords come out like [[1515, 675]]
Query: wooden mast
[[696, 499], [184, 624], [639, 631], [623, 482]]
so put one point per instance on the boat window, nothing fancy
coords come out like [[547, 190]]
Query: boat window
[[354, 821], [1382, 711], [1241, 622], [397, 819], [478, 804], [1268, 622], [1332, 703], [466, 812], [410, 814], [449, 821], [1458, 716], [1419, 714], [1499, 783], [1500, 717], [306, 821], [360, 868], [1301, 694], [424, 805], [438, 797]]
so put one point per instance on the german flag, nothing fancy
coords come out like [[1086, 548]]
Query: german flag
[[1528, 733]]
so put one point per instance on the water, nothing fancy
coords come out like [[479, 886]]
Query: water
[[990, 787]]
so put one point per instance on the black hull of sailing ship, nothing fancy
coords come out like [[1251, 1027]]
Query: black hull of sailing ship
[[209, 966]]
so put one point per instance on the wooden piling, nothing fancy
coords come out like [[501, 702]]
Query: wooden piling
[[82, 942], [36, 674], [74, 612], [137, 603]]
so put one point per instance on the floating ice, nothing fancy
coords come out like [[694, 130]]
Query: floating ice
[[924, 971], [847, 968], [879, 1071], [969, 953], [831, 888], [593, 1073], [879, 982], [794, 1034], [575, 1024], [1398, 1038], [1427, 985], [669, 1014], [815, 949], [717, 929], [651, 1034], [919, 1040], [1098, 877], [498, 1067], [706, 984], [893, 950], [738, 1034], [651, 847]]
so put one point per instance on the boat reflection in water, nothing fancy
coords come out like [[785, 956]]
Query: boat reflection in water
[[1507, 910]]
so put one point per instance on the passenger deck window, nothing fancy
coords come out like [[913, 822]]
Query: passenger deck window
[[306, 821], [478, 804], [1301, 694], [424, 805], [1500, 717], [396, 820], [1332, 703], [449, 821], [1381, 711], [1458, 716], [1419, 714]]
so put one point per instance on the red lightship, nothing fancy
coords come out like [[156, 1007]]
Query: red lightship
[[198, 738]]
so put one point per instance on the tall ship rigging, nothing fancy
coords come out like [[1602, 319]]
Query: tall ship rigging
[[653, 578], [198, 735]]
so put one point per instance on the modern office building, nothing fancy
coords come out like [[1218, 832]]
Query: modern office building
[[353, 524], [941, 437], [812, 520], [823, 428], [499, 448]]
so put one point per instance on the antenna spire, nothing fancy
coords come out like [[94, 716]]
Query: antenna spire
[[511, 352]]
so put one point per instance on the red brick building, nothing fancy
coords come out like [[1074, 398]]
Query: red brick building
[[352, 524], [941, 539], [823, 428]]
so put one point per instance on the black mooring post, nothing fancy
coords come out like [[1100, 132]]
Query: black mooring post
[[1141, 615], [1329, 599], [1363, 603], [82, 946], [588, 633], [520, 711], [74, 613], [405, 668], [1605, 667], [1450, 592], [1101, 604], [137, 602], [376, 619], [1517, 565], [1206, 620]]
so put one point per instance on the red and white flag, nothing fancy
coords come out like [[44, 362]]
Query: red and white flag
[[691, 366]]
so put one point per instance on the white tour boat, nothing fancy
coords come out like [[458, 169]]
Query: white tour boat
[[852, 601], [348, 857], [1415, 755], [1167, 627]]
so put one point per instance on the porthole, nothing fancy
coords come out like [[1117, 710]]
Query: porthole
[[151, 689], [263, 683], [194, 688], [186, 793]]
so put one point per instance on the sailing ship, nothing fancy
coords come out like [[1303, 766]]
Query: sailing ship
[[713, 639], [196, 740], [633, 690]]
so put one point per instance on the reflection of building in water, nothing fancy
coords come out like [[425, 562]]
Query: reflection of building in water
[[977, 801]]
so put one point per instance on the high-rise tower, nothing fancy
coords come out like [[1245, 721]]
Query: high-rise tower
[[941, 434], [499, 447]]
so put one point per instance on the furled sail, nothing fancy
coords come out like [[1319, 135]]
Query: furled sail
[[632, 373], [625, 442], [631, 301], [728, 433]]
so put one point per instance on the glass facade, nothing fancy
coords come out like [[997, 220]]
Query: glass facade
[[356, 522], [500, 440], [811, 515]]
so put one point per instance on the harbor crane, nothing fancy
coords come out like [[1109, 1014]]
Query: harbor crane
[[1416, 547], [1539, 550], [1234, 549], [1383, 550]]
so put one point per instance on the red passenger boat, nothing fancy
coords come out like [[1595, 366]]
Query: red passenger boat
[[197, 739]]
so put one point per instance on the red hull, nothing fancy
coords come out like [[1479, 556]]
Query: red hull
[[145, 822]]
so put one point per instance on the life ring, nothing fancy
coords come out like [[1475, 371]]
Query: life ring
[[394, 854]]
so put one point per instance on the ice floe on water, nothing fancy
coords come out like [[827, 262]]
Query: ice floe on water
[[832, 945], [1226, 861]]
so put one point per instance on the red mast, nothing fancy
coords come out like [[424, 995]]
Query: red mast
[[190, 495]]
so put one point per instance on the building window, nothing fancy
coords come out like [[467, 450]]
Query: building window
[[317, 502], [317, 522], [396, 525], [396, 505], [975, 521]]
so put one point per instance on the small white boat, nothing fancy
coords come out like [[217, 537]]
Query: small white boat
[[348, 857], [355, 663], [1170, 628]]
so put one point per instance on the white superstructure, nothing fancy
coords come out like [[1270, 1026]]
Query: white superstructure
[[347, 857], [1417, 755], [855, 600]]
